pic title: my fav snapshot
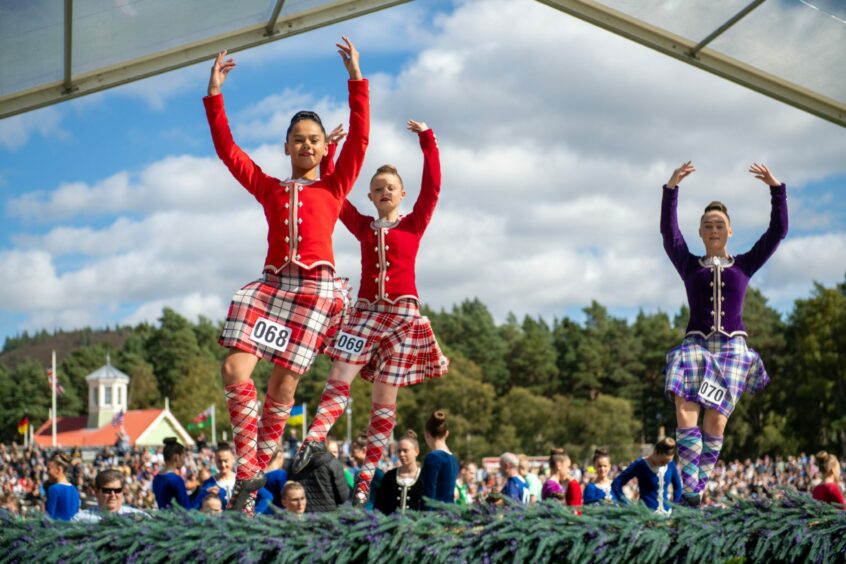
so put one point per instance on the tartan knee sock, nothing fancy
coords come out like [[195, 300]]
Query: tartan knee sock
[[711, 446], [689, 443], [274, 415], [383, 416], [241, 400], [332, 404]]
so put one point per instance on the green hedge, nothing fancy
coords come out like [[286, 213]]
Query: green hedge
[[794, 529]]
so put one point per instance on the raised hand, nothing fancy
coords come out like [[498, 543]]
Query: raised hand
[[416, 126], [680, 174], [763, 174], [336, 135], [219, 71], [349, 54]]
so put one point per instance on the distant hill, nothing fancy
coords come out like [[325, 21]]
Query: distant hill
[[40, 346]]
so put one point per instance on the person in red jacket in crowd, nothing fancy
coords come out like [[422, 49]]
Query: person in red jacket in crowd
[[285, 315], [829, 490], [385, 338]]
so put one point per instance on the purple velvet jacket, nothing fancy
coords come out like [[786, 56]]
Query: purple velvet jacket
[[715, 292]]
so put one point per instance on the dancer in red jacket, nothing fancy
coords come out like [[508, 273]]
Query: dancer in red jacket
[[284, 316], [385, 339]]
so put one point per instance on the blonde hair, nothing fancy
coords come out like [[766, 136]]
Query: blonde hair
[[411, 437], [828, 463], [387, 169]]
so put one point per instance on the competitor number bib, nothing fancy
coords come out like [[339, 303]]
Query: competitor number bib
[[711, 392], [349, 343], [270, 334]]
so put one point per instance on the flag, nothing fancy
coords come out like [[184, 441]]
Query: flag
[[202, 420], [23, 425], [296, 417], [117, 420], [50, 377]]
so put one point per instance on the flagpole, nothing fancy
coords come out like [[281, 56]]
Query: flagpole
[[214, 426], [53, 387]]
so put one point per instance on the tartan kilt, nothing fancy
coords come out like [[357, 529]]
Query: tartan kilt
[[724, 360], [394, 342], [305, 302]]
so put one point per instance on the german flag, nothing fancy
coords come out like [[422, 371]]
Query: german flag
[[23, 425]]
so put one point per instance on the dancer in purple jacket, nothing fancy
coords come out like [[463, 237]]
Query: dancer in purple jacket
[[713, 366]]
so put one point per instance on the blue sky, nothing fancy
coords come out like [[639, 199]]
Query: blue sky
[[555, 139]]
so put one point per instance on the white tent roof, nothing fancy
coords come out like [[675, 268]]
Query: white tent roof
[[791, 50]]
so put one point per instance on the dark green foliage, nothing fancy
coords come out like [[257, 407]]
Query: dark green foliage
[[795, 529], [519, 386]]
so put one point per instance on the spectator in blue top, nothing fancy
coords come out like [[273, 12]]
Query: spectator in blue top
[[62, 497], [654, 475], [515, 486], [222, 483], [168, 486], [440, 468], [276, 478]]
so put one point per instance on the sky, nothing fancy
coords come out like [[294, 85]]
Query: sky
[[555, 140]]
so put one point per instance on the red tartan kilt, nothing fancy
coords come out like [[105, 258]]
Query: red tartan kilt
[[400, 347], [305, 302]]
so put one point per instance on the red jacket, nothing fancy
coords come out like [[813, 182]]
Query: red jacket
[[388, 254], [301, 214]]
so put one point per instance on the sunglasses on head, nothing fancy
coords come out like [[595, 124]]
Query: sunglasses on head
[[115, 491]]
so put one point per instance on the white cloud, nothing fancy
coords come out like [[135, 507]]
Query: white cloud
[[16, 131]]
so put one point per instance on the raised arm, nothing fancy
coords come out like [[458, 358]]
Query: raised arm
[[354, 220], [430, 187], [351, 158], [764, 248], [327, 165], [245, 171], [674, 243]]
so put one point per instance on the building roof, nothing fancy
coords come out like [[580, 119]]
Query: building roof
[[71, 431], [107, 372]]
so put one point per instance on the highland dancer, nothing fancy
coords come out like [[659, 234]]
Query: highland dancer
[[284, 316], [713, 366], [385, 339]]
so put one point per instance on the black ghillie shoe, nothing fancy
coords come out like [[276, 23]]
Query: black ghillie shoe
[[243, 494], [307, 451], [691, 499]]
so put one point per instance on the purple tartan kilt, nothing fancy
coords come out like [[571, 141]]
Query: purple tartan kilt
[[306, 302], [724, 360], [398, 346]]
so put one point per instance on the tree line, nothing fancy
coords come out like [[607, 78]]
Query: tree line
[[522, 385]]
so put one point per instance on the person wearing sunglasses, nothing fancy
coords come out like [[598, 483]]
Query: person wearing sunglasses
[[284, 316], [108, 488]]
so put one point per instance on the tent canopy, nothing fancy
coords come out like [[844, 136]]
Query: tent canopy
[[791, 50]]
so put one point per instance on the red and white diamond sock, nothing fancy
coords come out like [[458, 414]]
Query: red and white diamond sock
[[383, 416], [241, 400], [274, 415], [332, 404]]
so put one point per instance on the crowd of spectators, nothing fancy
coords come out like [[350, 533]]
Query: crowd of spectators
[[25, 478]]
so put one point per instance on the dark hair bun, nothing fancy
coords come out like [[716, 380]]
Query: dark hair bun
[[171, 441], [601, 452], [436, 426]]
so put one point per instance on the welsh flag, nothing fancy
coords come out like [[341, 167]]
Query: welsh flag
[[202, 420]]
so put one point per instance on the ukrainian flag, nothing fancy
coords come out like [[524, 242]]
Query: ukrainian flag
[[297, 415]]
